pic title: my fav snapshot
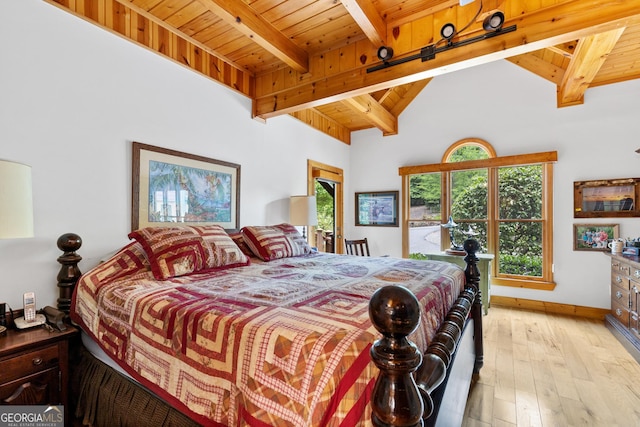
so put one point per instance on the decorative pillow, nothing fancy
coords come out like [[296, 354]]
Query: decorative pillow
[[226, 253], [239, 240], [176, 251], [276, 241]]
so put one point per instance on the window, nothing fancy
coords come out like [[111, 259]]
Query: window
[[503, 202]]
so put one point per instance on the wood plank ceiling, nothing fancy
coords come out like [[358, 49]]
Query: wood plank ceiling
[[309, 58]]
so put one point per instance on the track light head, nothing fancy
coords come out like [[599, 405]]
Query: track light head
[[448, 31], [493, 22], [385, 53]]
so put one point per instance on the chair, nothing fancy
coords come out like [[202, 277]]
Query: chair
[[357, 247]]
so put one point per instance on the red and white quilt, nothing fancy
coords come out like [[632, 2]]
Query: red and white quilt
[[284, 342]]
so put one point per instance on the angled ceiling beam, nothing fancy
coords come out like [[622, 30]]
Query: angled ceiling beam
[[565, 49], [590, 54], [324, 124], [543, 27], [539, 67], [409, 93], [245, 19], [375, 113], [368, 19]]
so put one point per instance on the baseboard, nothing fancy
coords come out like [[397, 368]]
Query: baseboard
[[549, 307]]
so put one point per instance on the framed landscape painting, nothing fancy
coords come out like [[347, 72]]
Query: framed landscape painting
[[378, 208], [170, 186]]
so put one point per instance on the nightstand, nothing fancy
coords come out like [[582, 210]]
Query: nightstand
[[34, 367]]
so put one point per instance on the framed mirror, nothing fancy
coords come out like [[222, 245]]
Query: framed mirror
[[606, 198]]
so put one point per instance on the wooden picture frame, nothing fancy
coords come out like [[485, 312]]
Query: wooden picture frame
[[377, 208], [611, 198], [594, 237], [172, 187]]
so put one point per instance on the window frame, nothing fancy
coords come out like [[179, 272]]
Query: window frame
[[545, 159]]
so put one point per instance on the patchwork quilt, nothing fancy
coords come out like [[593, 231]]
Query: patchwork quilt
[[278, 343]]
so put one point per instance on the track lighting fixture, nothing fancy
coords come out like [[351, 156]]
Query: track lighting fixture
[[493, 22], [448, 31], [385, 53]]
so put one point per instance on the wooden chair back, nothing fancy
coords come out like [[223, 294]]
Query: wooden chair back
[[357, 247]]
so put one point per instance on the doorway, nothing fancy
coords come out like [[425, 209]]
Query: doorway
[[326, 183]]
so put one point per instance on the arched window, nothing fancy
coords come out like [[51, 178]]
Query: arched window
[[503, 202]]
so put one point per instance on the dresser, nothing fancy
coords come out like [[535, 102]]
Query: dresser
[[484, 265], [625, 301]]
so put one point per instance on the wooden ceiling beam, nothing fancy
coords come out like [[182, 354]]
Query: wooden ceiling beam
[[539, 67], [368, 19], [245, 19], [590, 54], [540, 28], [375, 113], [324, 124]]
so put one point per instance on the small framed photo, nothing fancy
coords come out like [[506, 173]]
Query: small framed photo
[[170, 187], [594, 237], [378, 208]]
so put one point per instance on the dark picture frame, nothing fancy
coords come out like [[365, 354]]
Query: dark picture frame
[[173, 187], [377, 208], [594, 237], [606, 198]]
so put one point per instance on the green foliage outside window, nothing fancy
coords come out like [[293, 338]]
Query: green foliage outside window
[[519, 210], [325, 207]]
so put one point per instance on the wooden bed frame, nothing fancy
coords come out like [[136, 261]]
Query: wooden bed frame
[[413, 389]]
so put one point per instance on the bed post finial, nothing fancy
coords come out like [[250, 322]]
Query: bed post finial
[[471, 246], [69, 273], [395, 400]]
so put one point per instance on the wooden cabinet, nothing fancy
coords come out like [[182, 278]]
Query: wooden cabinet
[[34, 367], [484, 265], [625, 302]]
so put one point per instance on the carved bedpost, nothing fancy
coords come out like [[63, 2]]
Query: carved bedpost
[[402, 395], [396, 401], [472, 274], [69, 272]]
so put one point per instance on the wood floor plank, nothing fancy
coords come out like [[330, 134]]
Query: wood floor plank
[[553, 370]]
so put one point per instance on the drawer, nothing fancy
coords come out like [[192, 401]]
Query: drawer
[[635, 273], [27, 363], [38, 389], [619, 279], [620, 312], [620, 295]]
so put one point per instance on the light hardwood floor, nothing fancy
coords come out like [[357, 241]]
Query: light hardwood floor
[[552, 370]]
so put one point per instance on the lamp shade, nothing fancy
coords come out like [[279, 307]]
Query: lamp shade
[[302, 210], [16, 203]]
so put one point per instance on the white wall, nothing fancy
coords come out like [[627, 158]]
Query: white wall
[[516, 112], [73, 97]]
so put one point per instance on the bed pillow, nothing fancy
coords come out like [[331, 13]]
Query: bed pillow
[[275, 241], [238, 239], [226, 253], [177, 251]]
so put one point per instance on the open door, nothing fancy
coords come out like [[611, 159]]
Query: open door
[[326, 182]]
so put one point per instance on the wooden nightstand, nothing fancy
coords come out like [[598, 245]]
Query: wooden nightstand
[[34, 367]]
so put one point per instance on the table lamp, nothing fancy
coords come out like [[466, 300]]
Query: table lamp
[[16, 208], [303, 211]]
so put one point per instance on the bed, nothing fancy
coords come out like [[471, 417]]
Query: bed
[[198, 326]]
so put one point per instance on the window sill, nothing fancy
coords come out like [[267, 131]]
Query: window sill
[[523, 283]]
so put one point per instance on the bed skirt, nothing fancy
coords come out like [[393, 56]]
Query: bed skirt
[[105, 398]]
